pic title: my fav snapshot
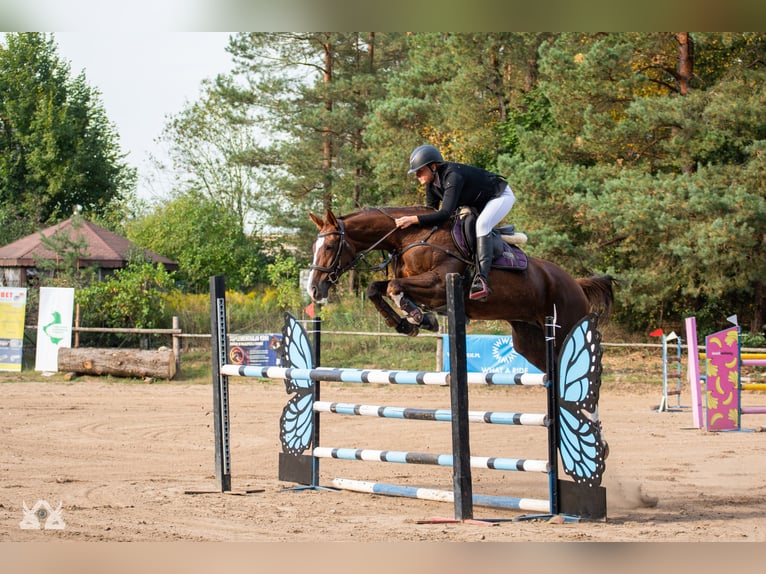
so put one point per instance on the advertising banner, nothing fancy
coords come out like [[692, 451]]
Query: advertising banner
[[54, 326], [256, 350], [491, 354], [13, 304]]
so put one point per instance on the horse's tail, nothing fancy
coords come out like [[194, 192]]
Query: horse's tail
[[599, 291]]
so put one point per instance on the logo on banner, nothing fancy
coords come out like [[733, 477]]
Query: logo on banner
[[56, 330], [503, 351]]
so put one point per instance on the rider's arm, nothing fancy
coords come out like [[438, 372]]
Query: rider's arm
[[453, 186]]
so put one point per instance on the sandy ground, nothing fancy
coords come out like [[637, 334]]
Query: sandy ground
[[121, 456]]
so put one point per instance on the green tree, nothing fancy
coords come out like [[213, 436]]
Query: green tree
[[133, 297], [463, 93], [205, 144], [57, 148], [309, 94], [204, 239], [651, 169], [638, 154]]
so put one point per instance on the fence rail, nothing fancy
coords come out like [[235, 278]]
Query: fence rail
[[177, 335], [178, 332]]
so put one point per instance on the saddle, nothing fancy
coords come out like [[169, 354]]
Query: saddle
[[505, 241]]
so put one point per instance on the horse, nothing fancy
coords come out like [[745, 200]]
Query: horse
[[420, 260]]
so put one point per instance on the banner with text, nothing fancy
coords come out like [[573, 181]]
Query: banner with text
[[491, 354], [54, 326], [13, 304], [260, 350]]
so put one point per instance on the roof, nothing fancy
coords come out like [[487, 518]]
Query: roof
[[105, 248]]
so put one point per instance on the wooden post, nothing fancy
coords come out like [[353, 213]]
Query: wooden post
[[461, 451], [177, 343], [76, 324]]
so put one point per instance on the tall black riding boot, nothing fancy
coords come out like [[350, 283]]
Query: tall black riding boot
[[484, 256]]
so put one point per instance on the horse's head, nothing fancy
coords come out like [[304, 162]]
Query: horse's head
[[333, 255]]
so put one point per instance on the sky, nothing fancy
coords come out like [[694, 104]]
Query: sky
[[144, 77]]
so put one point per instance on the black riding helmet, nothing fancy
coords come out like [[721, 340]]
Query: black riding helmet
[[423, 155]]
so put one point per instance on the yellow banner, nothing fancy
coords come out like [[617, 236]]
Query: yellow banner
[[13, 304]]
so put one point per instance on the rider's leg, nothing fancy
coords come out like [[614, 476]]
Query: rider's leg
[[490, 216], [484, 256]]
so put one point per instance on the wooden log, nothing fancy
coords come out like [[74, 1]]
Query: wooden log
[[135, 363]]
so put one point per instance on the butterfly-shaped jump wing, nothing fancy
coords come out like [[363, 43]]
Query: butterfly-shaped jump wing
[[296, 352], [581, 446], [296, 424]]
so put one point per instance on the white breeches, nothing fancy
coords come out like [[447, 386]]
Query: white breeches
[[494, 212]]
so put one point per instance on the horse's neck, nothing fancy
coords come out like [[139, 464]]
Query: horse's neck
[[378, 229], [365, 234]]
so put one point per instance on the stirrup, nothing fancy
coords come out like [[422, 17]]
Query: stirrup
[[479, 289]]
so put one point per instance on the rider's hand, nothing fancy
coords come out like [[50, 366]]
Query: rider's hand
[[406, 221]]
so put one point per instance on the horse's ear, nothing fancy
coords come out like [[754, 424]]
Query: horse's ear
[[318, 222], [330, 218]]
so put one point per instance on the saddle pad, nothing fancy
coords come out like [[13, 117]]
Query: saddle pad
[[506, 256], [512, 257]]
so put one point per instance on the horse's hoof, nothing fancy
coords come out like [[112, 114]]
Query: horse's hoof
[[430, 322], [415, 317], [406, 328]]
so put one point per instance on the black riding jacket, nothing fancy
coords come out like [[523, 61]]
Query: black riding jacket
[[460, 185]]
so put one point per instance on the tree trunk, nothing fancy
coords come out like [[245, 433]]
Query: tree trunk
[[118, 362], [685, 67]]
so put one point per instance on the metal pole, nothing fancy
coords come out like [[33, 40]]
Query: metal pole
[[553, 429], [317, 327], [220, 382]]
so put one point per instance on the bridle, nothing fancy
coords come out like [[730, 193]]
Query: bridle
[[335, 269]]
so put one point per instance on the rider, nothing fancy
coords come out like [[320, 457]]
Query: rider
[[455, 185]]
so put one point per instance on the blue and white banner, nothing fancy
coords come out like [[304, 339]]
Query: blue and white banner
[[491, 354], [54, 326]]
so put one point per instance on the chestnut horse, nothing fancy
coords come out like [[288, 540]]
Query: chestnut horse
[[420, 260]]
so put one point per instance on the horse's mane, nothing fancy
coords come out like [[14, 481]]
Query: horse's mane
[[390, 211]]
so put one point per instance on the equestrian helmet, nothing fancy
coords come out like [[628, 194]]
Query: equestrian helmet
[[423, 155]]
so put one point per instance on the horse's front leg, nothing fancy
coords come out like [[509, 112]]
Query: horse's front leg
[[375, 293], [426, 288]]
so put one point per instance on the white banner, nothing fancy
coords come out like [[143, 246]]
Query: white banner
[[13, 302], [54, 326]]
